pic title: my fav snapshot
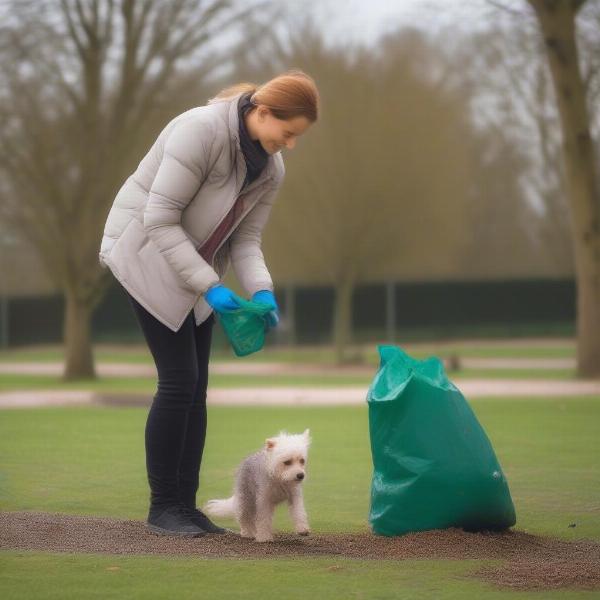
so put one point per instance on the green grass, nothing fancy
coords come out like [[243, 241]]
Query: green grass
[[68, 576], [138, 353], [559, 374], [90, 460], [63, 577], [146, 385]]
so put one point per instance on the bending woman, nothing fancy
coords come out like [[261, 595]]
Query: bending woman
[[197, 201]]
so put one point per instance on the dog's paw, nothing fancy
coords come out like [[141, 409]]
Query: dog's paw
[[264, 538], [303, 531]]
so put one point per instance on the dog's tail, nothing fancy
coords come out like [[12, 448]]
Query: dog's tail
[[221, 508]]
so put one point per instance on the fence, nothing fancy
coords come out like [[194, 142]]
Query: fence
[[388, 311]]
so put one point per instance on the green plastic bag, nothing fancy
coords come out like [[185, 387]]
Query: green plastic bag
[[246, 326], [434, 466]]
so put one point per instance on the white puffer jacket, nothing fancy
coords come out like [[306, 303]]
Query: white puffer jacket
[[176, 198]]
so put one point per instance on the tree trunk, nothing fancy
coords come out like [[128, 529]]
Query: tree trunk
[[79, 362], [342, 320], [557, 21]]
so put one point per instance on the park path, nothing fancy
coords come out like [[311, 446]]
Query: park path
[[278, 368], [304, 396], [301, 394]]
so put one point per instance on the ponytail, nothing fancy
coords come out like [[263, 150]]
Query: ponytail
[[232, 91], [291, 94]]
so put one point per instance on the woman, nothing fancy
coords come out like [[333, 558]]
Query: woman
[[198, 200]]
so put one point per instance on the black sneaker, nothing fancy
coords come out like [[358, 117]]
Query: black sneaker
[[173, 520], [197, 517]]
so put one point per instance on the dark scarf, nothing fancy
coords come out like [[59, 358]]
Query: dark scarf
[[255, 155]]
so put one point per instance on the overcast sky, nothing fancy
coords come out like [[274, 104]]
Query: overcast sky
[[364, 21]]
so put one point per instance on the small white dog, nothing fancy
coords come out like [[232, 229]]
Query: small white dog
[[264, 479]]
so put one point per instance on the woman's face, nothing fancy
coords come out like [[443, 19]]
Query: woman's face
[[275, 134]]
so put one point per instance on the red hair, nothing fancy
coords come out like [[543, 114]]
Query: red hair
[[291, 94]]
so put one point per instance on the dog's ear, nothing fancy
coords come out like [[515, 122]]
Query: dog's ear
[[270, 443]]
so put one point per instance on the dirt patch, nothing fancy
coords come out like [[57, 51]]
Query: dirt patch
[[581, 573], [530, 561]]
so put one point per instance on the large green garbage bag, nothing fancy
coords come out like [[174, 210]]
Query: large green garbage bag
[[245, 327], [434, 466]]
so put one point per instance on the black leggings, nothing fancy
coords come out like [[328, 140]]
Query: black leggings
[[176, 425]]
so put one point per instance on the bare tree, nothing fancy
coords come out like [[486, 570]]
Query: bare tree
[[557, 23], [84, 87], [513, 106], [377, 184]]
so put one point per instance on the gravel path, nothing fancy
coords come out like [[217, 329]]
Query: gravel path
[[303, 396], [529, 561]]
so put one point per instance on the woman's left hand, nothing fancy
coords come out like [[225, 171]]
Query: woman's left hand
[[267, 297]]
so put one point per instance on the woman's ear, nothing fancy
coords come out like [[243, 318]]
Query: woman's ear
[[262, 112]]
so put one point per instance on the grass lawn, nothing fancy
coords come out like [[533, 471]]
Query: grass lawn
[[91, 461], [147, 385], [63, 577], [138, 353]]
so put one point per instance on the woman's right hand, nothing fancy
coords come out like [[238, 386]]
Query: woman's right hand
[[221, 298]]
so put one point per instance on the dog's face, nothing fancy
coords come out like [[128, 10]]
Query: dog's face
[[287, 456]]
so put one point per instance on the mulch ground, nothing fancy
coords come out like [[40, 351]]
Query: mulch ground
[[528, 561]]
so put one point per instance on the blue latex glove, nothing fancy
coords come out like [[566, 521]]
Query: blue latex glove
[[267, 297], [221, 298]]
